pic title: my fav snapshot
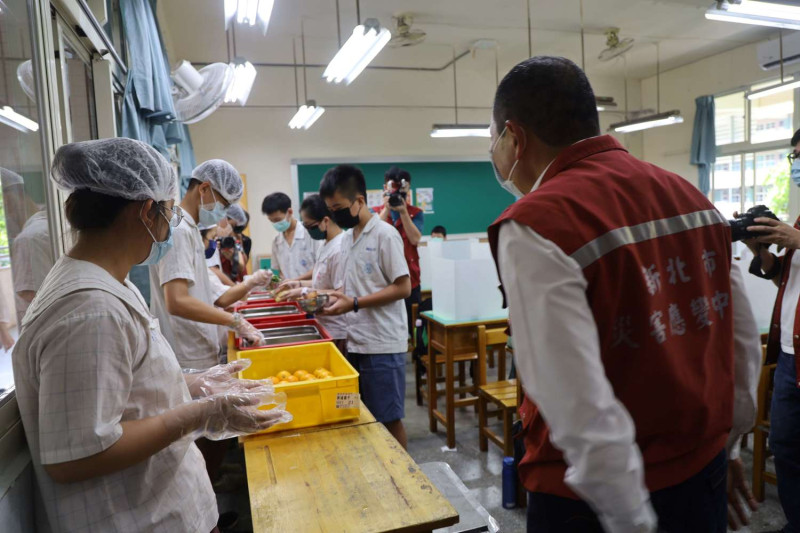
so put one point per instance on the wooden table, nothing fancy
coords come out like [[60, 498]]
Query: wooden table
[[450, 337], [343, 479]]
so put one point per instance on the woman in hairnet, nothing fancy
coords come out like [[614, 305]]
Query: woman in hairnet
[[109, 416]]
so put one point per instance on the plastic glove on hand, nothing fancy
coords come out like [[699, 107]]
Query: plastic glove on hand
[[246, 330], [224, 416], [222, 379], [261, 278]]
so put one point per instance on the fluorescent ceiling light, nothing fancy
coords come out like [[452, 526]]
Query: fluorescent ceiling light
[[649, 121], [19, 122], [244, 75], [775, 89], [306, 115], [364, 44], [758, 13], [441, 131], [249, 12]]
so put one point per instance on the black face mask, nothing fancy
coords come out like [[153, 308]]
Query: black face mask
[[344, 218], [317, 234]]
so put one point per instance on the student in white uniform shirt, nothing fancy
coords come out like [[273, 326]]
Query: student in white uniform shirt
[[328, 275], [186, 307], [293, 251], [376, 282], [108, 415]]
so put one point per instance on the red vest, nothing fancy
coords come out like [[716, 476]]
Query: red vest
[[409, 250], [656, 255], [774, 343]]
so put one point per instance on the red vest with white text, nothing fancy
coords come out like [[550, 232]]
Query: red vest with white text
[[656, 256], [409, 250]]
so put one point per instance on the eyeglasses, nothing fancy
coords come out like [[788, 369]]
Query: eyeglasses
[[791, 157], [173, 215]]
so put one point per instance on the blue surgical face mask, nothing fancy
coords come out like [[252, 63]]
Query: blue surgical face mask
[[796, 172], [283, 225], [506, 184], [437, 239], [158, 249], [210, 217]]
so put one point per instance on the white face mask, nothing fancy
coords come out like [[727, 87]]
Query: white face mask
[[506, 184]]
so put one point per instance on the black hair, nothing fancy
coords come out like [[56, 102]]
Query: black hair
[[87, 209], [314, 206], [193, 182], [439, 229], [227, 242], [275, 202], [204, 233], [397, 174], [240, 229], [347, 179], [550, 96], [795, 138]]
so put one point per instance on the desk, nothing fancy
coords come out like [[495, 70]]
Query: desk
[[451, 337], [354, 479]]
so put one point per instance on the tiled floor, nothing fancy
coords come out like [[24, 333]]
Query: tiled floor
[[480, 472]]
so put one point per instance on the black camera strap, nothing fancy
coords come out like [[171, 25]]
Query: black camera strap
[[755, 267]]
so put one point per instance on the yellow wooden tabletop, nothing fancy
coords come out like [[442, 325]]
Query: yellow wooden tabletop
[[365, 417], [355, 479]]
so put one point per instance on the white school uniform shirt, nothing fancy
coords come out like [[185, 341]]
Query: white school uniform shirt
[[31, 259], [295, 260], [218, 289], [195, 343], [789, 306], [550, 315], [214, 260], [374, 261], [89, 358], [329, 274]]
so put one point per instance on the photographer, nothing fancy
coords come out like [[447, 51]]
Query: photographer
[[409, 221], [783, 347]]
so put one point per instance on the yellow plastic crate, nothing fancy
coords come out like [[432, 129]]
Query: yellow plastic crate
[[311, 403]]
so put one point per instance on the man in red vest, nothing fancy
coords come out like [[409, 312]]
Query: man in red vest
[[634, 341], [409, 221], [784, 347]]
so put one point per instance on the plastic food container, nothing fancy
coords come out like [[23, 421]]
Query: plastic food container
[[312, 403], [289, 332]]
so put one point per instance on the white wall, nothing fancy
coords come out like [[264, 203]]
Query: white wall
[[258, 142]]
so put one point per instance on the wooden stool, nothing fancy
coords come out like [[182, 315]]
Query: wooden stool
[[761, 431], [503, 395]]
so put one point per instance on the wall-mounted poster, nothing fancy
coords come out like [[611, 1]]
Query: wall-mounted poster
[[425, 199]]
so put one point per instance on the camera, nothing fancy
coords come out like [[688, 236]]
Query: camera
[[397, 196], [741, 224]]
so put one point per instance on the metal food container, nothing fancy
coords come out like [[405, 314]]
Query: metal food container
[[291, 334], [261, 296], [265, 312]]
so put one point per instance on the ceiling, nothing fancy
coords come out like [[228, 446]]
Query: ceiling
[[194, 30]]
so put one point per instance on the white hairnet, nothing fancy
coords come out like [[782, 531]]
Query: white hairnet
[[222, 176], [9, 178], [116, 167], [236, 213]]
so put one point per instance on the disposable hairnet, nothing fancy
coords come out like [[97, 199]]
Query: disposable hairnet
[[223, 178], [10, 178], [116, 167], [236, 213]]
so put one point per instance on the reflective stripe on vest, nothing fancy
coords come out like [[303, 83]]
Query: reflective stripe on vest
[[604, 244]]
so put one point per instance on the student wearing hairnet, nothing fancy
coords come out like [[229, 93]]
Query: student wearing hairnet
[[108, 414], [188, 311], [187, 307]]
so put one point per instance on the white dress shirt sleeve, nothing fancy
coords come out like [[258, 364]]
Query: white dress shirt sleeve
[[746, 363], [557, 357]]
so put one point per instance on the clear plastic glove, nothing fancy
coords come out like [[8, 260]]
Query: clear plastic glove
[[289, 284], [222, 379], [290, 295], [246, 330], [261, 278], [224, 416]]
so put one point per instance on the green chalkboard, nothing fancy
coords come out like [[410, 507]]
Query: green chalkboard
[[466, 196]]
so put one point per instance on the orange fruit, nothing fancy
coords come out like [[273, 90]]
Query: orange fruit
[[292, 379], [275, 380], [283, 375], [307, 377], [300, 373]]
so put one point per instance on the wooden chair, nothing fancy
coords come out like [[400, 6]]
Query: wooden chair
[[502, 395], [761, 431]]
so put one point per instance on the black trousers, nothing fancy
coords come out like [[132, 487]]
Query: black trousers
[[414, 298], [698, 505]]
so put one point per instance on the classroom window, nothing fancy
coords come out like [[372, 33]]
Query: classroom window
[[729, 118]]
